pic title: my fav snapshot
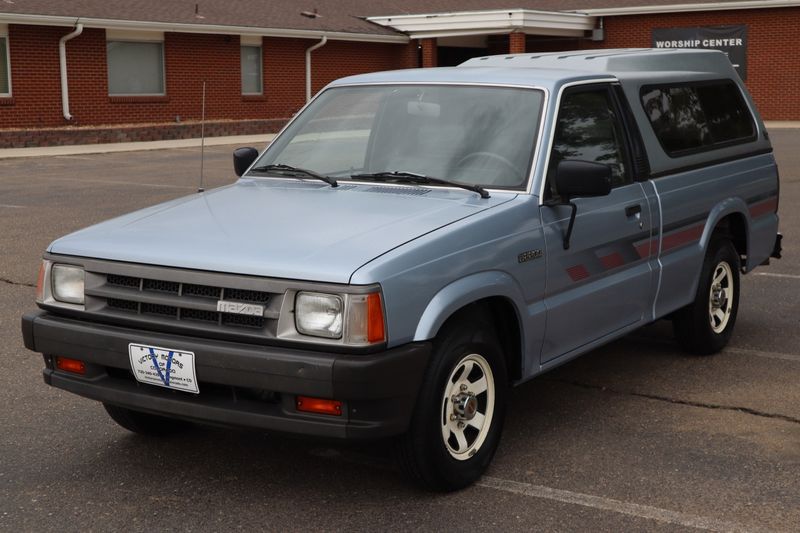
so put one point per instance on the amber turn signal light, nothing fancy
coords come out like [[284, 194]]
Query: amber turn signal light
[[375, 328], [319, 406], [70, 365], [40, 282]]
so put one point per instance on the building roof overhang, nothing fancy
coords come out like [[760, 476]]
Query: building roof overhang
[[689, 7], [397, 28], [497, 21], [144, 25]]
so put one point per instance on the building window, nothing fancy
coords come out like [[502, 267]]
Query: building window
[[5, 67], [135, 67], [251, 70]]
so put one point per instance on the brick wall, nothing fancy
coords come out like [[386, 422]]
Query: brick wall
[[516, 43], [190, 59], [429, 53], [773, 67]]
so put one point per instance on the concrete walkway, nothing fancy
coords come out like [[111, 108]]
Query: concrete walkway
[[781, 124], [258, 141]]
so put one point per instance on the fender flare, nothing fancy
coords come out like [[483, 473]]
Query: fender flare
[[729, 206], [463, 292]]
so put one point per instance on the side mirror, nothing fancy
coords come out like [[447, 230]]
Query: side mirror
[[580, 179], [243, 158]]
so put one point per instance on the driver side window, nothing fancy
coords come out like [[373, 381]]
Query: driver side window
[[588, 129]]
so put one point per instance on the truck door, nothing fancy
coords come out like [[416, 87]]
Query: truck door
[[601, 284]]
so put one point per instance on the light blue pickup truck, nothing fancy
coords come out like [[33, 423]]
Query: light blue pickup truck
[[414, 243]]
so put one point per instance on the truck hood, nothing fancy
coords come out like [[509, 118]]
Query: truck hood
[[277, 228]]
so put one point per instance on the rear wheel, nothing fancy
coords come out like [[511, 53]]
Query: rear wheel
[[459, 414], [144, 423], [705, 326]]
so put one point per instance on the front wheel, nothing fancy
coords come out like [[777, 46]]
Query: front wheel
[[705, 326], [459, 415]]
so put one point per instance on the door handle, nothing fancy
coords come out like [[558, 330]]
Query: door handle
[[635, 212], [632, 210]]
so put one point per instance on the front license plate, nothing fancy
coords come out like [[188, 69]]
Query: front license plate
[[163, 367]]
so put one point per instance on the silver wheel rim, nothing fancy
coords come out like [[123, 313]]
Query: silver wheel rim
[[720, 298], [467, 406]]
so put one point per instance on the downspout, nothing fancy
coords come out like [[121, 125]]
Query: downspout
[[308, 64], [62, 57]]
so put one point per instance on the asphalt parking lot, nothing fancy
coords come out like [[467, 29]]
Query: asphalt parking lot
[[635, 436]]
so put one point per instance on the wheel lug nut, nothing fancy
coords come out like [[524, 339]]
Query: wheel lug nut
[[453, 417], [461, 425], [463, 387]]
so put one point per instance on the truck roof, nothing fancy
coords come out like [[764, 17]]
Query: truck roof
[[551, 69], [614, 61]]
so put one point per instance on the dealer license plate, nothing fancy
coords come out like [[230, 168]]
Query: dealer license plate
[[163, 367]]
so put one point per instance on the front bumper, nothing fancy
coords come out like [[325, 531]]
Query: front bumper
[[240, 384]]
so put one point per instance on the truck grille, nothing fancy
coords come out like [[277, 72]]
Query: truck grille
[[151, 299]]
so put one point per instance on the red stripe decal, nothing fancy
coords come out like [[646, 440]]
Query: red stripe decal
[[578, 272], [643, 248], [612, 260], [679, 238], [762, 208]]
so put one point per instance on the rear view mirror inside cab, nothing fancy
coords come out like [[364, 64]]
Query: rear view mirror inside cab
[[424, 109]]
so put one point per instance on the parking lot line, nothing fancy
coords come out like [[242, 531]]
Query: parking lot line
[[776, 275], [609, 504], [768, 355], [565, 496]]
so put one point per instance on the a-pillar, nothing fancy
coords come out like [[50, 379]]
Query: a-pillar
[[516, 43], [429, 53]]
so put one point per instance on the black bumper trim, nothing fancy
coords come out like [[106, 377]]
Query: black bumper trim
[[778, 247], [379, 390]]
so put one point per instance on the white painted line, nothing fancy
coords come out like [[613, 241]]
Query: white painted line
[[614, 506], [12, 206], [776, 275], [768, 355], [564, 496], [133, 183]]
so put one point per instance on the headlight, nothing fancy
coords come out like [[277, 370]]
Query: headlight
[[353, 317], [319, 315], [67, 283]]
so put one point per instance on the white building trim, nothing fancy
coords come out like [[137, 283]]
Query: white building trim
[[489, 22]]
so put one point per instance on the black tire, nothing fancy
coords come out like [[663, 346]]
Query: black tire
[[696, 329], [144, 423], [423, 453]]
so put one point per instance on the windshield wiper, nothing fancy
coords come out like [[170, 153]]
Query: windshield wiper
[[400, 176], [295, 172]]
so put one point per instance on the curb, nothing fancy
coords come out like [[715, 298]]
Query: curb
[[80, 149]]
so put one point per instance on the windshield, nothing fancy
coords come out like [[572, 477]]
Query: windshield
[[477, 135]]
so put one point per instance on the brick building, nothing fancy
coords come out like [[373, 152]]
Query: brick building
[[107, 70]]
